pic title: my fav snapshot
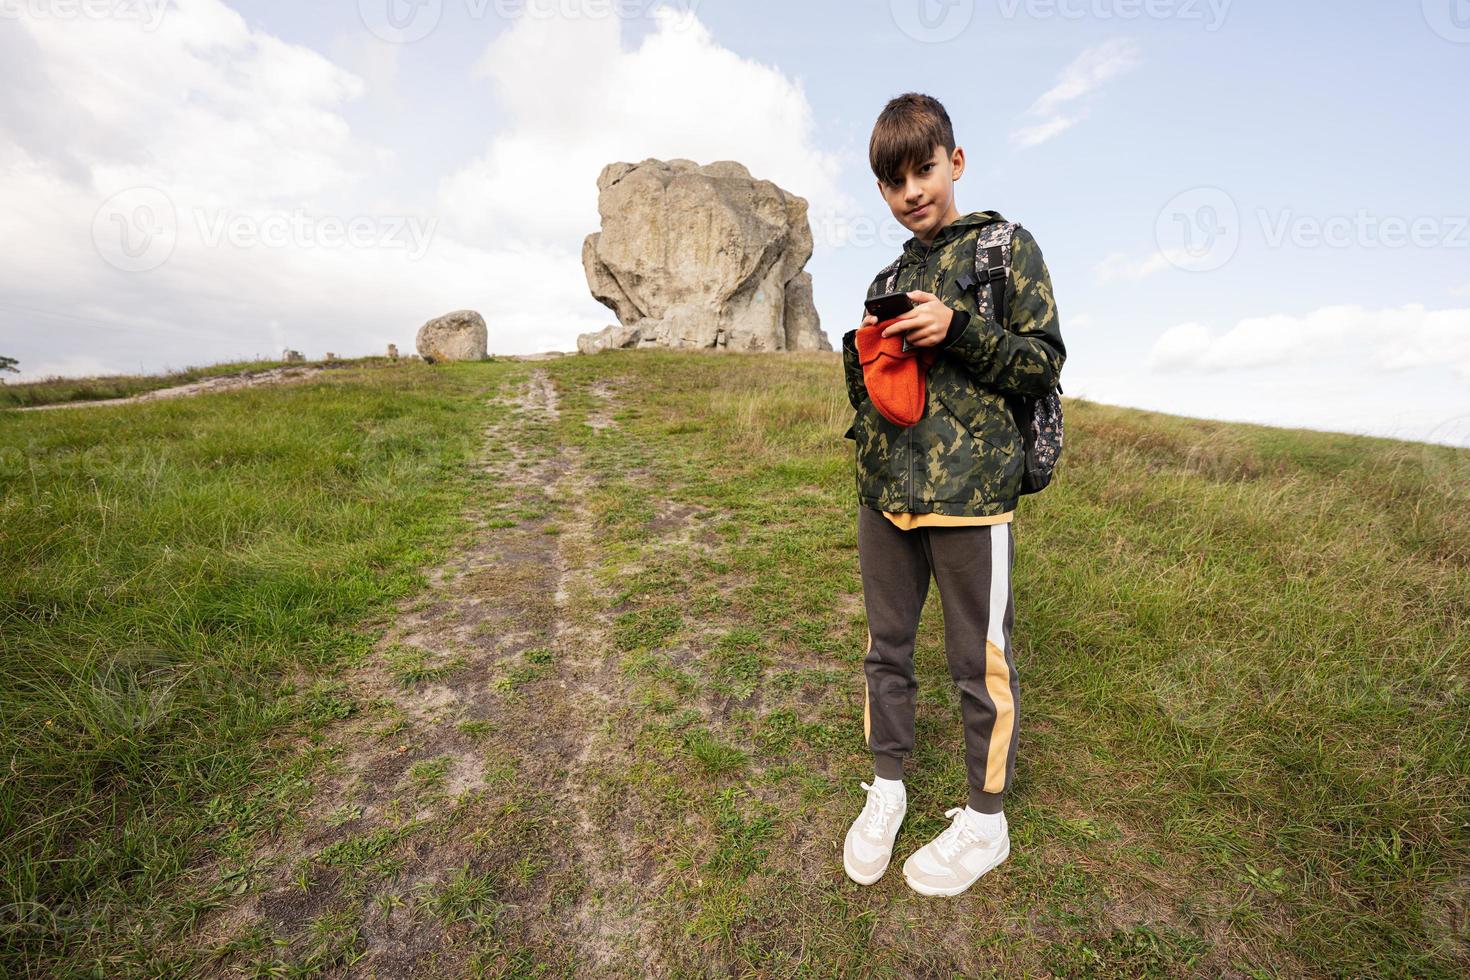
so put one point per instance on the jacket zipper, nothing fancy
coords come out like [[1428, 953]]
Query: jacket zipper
[[923, 269]]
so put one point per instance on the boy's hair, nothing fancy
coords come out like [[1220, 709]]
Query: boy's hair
[[905, 134]]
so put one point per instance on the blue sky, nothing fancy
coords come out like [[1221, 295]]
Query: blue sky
[[467, 148]]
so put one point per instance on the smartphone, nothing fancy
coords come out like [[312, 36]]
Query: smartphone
[[888, 306]]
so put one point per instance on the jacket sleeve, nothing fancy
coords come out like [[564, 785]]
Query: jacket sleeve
[[1025, 356], [856, 389]]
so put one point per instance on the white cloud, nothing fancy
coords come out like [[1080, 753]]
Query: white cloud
[[1118, 266], [1342, 398], [228, 123], [1391, 340], [1067, 101], [66, 366], [1041, 132], [575, 101]]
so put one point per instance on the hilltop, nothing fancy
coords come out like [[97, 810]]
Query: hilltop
[[514, 666]]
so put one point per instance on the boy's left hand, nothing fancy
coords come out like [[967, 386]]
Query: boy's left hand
[[926, 324]]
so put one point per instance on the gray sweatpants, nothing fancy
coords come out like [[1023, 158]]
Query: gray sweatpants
[[972, 567]]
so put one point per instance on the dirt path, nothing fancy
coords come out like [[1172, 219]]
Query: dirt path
[[244, 379], [455, 823], [225, 382]]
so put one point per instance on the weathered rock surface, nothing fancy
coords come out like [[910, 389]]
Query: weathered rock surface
[[700, 256], [457, 336]]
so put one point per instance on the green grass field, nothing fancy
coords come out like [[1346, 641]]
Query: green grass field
[[553, 668]]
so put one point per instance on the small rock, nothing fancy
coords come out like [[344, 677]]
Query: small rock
[[457, 336], [612, 336]]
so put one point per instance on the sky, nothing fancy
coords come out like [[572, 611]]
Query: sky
[[1250, 210]]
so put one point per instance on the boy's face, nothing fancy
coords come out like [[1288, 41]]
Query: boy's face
[[923, 200]]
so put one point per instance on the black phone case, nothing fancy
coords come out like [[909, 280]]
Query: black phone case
[[888, 306]]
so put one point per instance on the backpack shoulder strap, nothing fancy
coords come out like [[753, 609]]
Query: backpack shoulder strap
[[993, 266], [887, 275]]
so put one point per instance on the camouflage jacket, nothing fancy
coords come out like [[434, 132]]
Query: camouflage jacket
[[964, 456]]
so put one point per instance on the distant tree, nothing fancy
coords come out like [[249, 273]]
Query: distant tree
[[8, 364]]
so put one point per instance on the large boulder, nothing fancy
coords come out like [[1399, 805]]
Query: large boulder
[[457, 336], [692, 256]]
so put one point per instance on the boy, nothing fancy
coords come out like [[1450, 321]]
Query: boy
[[939, 496]]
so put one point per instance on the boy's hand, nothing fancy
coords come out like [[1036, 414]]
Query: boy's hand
[[926, 324]]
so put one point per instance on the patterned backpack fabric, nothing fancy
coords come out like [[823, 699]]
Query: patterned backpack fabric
[[1039, 418]]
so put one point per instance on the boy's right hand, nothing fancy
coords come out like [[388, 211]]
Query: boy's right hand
[[868, 320]]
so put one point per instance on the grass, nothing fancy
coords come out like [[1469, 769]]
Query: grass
[[1243, 649], [1244, 716], [412, 665], [167, 603]]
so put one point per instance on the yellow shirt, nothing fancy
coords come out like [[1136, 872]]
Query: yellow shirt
[[908, 522]]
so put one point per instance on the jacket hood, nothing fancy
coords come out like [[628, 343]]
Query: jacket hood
[[955, 230]]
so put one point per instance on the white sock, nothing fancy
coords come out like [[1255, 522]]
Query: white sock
[[893, 787], [987, 824]]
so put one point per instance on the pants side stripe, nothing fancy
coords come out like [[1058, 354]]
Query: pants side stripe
[[867, 713], [997, 668]]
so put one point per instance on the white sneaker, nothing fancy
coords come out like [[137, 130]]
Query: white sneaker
[[869, 843], [955, 859]]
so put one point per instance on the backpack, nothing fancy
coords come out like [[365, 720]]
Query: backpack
[[1038, 418]]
